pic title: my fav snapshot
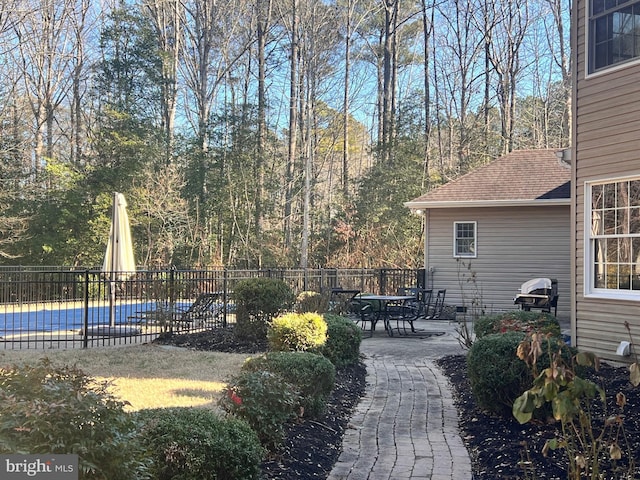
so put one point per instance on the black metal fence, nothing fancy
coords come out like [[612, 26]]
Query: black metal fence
[[74, 308]]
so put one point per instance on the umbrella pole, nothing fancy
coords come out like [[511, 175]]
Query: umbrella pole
[[114, 253]]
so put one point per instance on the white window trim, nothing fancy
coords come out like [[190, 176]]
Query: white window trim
[[588, 290], [587, 51], [475, 239]]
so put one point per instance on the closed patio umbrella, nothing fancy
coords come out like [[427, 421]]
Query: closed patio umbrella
[[119, 263]]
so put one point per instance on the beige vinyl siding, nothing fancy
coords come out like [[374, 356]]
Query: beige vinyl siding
[[513, 245], [606, 146]]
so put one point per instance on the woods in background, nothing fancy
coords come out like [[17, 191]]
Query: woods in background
[[264, 132]]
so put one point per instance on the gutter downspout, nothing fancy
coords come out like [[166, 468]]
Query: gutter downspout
[[426, 249]]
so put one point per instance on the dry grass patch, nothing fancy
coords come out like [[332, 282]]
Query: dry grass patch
[[147, 376]]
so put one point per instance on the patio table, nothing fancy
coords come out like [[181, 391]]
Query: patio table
[[386, 304]]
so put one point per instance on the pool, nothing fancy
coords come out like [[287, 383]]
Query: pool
[[50, 318]]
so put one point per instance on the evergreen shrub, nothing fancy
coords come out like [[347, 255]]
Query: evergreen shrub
[[497, 376], [312, 375], [58, 409], [343, 340], [197, 444], [308, 301], [258, 301], [517, 321], [297, 332], [265, 401]]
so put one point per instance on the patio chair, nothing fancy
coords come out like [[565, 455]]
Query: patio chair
[[365, 314], [205, 310], [341, 300], [434, 310]]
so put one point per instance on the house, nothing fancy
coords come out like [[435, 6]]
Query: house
[[493, 229], [605, 230]]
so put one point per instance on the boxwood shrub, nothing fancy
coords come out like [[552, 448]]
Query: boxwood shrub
[[258, 301], [309, 301], [197, 444], [311, 374], [265, 401], [497, 376], [297, 332], [343, 340]]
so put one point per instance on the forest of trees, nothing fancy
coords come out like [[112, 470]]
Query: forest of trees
[[257, 133]]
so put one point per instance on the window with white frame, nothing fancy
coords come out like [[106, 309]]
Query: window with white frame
[[614, 32], [464, 239], [612, 231]]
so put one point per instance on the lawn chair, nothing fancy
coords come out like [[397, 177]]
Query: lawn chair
[[206, 310], [367, 316], [434, 310], [408, 312], [341, 301]]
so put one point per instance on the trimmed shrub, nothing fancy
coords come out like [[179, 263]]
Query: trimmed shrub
[[265, 401], [197, 444], [311, 302], [297, 332], [258, 301], [51, 409], [312, 375], [497, 376], [343, 341], [517, 321]]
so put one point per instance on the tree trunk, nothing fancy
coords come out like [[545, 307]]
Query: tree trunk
[[293, 126]]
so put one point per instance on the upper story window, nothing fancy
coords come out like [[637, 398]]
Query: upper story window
[[614, 32], [612, 253], [464, 239]]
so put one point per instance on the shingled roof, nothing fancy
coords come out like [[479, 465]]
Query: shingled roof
[[523, 177]]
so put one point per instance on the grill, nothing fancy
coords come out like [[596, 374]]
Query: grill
[[540, 293]]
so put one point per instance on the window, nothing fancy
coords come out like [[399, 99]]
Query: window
[[464, 239], [612, 256], [614, 32]]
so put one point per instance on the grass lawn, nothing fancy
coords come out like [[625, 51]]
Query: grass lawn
[[147, 376]]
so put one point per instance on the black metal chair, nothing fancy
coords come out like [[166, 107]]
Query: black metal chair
[[364, 314], [341, 301], [206, 310], [434, 310]]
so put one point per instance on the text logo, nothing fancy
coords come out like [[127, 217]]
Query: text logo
[[45, 466]]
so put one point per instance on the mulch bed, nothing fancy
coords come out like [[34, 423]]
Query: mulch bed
[[500, 447], [311, 447]]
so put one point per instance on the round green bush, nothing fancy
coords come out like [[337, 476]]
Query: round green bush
[[297, 332], [343, 341], [258, 301], [308, 301], [497, 376], [313, 376], [517, 321], [197, 444], [265, 401]]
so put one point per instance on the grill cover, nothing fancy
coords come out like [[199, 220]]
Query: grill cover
[[534, 284]]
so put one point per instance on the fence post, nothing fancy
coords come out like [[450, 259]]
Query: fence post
[[225, 297], [85, 321], [172, 295]]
